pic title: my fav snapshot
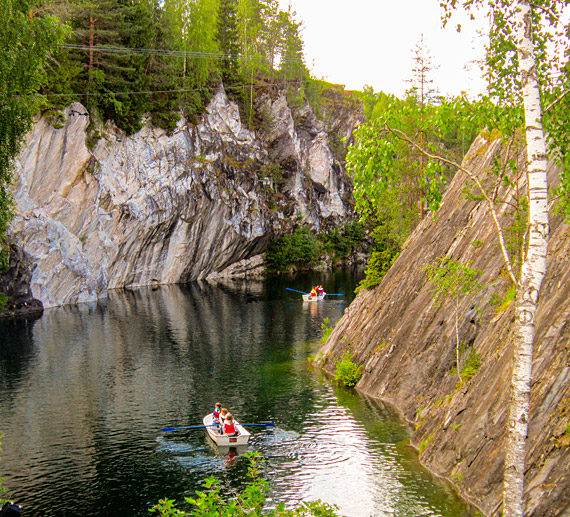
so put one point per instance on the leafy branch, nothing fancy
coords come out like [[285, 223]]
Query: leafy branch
[[482, 190]]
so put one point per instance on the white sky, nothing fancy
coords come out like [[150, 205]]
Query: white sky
[[358, 42]]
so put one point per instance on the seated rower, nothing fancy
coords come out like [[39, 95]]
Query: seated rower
[[223, 414], [229, 426], [216, 414]]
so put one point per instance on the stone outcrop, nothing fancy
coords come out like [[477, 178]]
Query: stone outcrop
[[406, 344], [157, 208], [15, 281]]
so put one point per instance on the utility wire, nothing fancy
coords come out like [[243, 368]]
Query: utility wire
[[175, 53], [147, 92]]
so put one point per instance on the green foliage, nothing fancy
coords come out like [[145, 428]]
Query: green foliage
[[327, 331], [249, 502], [381, 346], [392, 178], [452, 279], [303, 247], [347, 372], [3, 301], [376, 268], [395, 185], [385, 251], [342, 241], [25, 44], [469, 369], [425, 443], [300, 249], [505, 302], [127, 59]]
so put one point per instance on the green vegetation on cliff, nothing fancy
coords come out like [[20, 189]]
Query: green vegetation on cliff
[[127, 59], [25, 43], [304, 248]]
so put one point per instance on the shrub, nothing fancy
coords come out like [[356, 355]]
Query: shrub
[[341, 242], [301, 248], [377, 267], [469, 368], [326, 330], [249, 502], [426, 442], [347, 372]]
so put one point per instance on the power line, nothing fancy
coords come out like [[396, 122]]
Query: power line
[[103, 94], [148, 92], [176, 53]]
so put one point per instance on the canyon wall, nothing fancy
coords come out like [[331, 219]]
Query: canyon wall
[[157, 208], [407, 346]]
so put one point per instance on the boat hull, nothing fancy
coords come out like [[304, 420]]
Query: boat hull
[[224, 440], [309, 298]]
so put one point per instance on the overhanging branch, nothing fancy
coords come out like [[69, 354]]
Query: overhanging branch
[[400, 134]]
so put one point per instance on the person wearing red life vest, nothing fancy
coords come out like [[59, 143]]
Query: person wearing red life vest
[[229, 426], [216, 414]]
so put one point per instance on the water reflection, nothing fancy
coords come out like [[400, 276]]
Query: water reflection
[[85, 391]]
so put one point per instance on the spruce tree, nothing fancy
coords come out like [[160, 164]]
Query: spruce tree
[[228, 40]]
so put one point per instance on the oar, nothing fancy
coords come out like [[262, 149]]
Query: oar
[[168, 429], [295, 290], [330, 294]]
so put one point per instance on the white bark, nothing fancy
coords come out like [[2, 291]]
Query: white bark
[[532, 272]]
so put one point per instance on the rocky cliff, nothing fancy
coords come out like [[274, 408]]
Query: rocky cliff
[[406, 344], [158, 208]]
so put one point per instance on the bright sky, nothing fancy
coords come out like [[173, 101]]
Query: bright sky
[[358, 42]]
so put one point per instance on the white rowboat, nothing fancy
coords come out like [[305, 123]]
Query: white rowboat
[[223, 439], [309, 298]]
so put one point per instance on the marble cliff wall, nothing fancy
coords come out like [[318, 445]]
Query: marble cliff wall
[[155, 208], [406, 344]]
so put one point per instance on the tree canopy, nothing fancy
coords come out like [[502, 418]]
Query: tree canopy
[[26, 41]]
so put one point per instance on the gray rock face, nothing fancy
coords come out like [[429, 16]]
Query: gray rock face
[[16, 286], [155, 208], [407, 346]]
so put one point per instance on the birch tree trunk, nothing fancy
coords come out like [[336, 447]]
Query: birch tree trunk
[[532, 271]]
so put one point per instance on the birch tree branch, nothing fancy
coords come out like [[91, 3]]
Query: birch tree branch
[[403, 136], [557, 100]]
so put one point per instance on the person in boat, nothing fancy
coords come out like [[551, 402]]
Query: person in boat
[[223, 414], [320, 290], [229, 426], [216, 414], [314, 292]]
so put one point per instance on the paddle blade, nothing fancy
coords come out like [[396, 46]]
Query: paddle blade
[[263, 424]]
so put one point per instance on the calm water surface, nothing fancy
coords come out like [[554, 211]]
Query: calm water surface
[[86, 390]]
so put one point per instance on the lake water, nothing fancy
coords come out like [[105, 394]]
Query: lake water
[[86, 390]]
